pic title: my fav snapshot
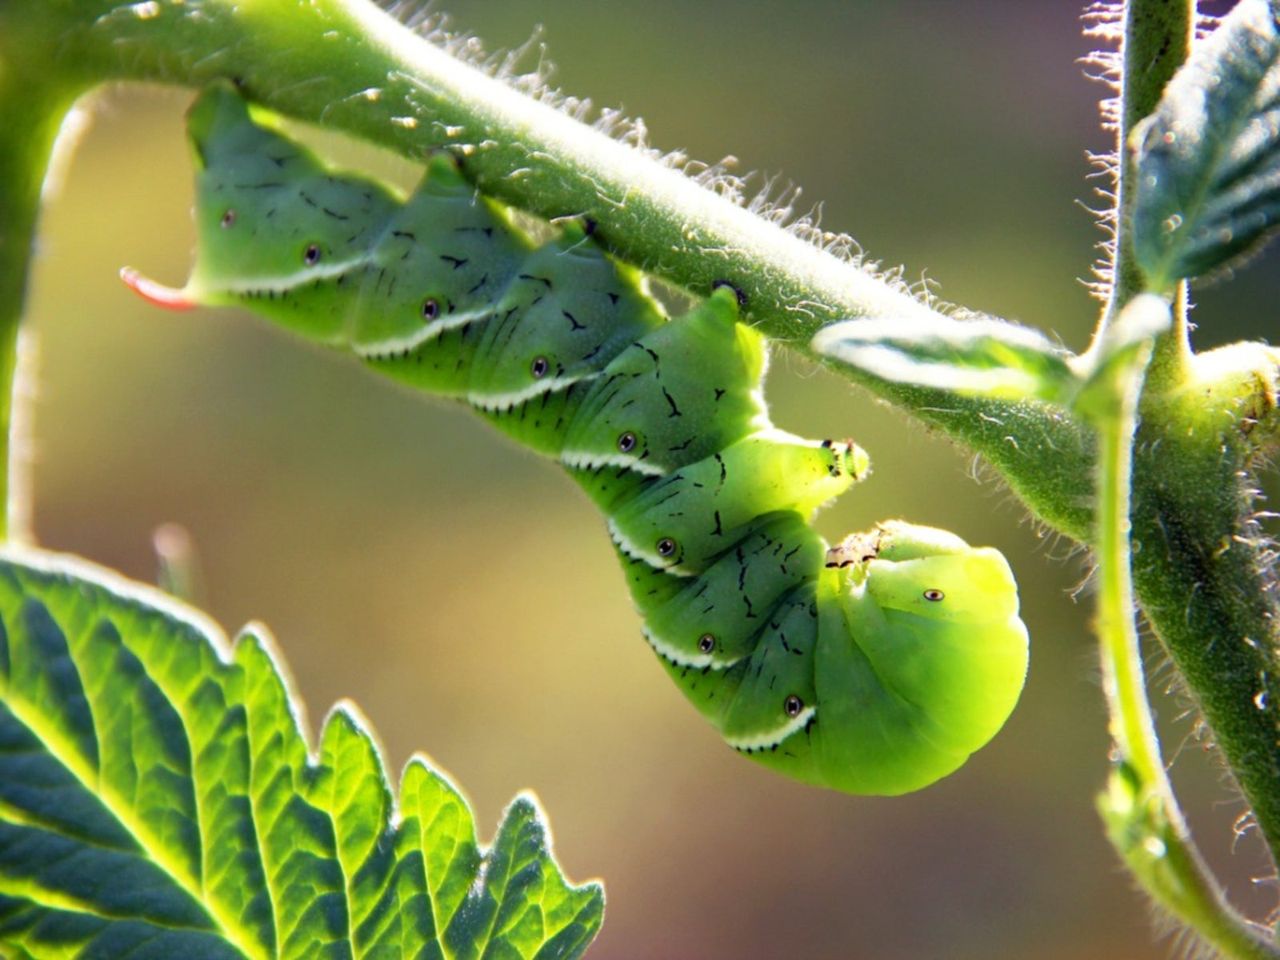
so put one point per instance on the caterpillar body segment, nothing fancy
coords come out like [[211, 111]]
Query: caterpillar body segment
[[876, 666], [713, 619], [687, 389], [682, 521]]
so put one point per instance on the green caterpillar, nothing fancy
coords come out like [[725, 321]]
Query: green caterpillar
[[875, 667]]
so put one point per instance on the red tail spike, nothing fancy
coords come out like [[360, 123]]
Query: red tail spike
[[157, 293]]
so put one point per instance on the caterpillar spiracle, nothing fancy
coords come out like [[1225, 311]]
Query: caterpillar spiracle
[[874, 667]]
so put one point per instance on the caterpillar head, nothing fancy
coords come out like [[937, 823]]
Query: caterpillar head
[[934, 663]]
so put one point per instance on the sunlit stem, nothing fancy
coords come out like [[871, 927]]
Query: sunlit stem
[[1143, 820], [30, 114]]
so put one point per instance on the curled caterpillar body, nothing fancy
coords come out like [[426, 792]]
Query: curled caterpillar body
[[877, 666]]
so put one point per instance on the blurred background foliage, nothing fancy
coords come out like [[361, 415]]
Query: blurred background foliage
[[464, 593]]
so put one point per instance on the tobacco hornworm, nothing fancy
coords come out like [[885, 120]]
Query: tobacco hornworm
[[874, 667]]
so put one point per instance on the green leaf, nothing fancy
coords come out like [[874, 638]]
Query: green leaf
[[996, 387], [968, 357], [158, 799], [1208, 159]]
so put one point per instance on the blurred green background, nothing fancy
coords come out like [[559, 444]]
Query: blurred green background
[[463, 592]]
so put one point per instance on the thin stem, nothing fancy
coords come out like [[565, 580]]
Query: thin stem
[[32, 113], [1143, 818], [1131, 724]]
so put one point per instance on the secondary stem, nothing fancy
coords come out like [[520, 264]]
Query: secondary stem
[[1144, 822], [1200, 569], [32, 114]]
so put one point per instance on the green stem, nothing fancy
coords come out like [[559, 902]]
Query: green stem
[[351, 66], [1201, 569], [1202, 575], [377, 80], [30, 115], [1142, 815]]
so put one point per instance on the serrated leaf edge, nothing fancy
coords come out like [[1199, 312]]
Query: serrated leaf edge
[[63, 564], [55, 563]]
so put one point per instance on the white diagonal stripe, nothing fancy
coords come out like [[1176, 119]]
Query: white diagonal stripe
[[585, 460], [682, 658], [771, 738], [416, 339], [651, 557], [498, 402]]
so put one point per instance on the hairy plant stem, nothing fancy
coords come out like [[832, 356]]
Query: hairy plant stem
[[1142, 816], [1204, 585], [1199, 565], [349, 66]]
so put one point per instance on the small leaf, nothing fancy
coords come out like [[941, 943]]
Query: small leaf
[[158, 799], [987, 358], [1208, 159]]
